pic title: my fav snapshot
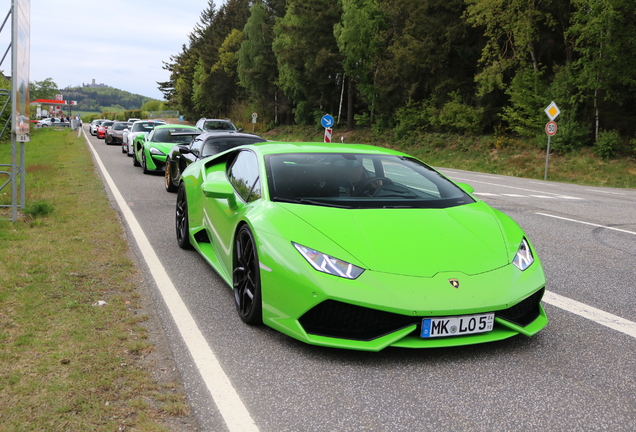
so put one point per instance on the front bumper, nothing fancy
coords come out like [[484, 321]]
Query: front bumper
[[378, 310]]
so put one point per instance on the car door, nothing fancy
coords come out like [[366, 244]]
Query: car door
[[224, 214]]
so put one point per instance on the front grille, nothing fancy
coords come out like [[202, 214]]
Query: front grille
[[346, 321], [524, 312], [335, 319]]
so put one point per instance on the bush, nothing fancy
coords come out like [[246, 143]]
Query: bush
[[458, 117], [607, 144], [571, 135], [38, 209]]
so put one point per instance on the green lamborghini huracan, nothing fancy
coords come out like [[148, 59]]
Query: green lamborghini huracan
[[359, 247]]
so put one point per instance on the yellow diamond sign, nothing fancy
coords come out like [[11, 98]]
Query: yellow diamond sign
[[552, 111]]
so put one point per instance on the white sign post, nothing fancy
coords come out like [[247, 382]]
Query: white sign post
[[552, 111], [254, 117]]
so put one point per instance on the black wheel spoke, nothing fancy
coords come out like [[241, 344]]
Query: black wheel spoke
[[246, 278]]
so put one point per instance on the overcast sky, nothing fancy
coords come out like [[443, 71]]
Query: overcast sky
[[120, 43]]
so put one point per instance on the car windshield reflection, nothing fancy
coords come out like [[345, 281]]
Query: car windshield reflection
[[359, 181]]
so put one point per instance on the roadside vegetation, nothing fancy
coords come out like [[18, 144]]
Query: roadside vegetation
[[498, 154], [76, 352]]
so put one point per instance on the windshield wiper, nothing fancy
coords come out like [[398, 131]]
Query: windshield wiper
[[309, 201]]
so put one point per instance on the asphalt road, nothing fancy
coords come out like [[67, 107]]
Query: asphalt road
[[576, 374]]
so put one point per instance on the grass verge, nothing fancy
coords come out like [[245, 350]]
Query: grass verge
[[75, 349]]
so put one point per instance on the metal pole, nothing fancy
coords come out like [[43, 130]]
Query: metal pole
[[547, 157], [22, 176], [14, 181]]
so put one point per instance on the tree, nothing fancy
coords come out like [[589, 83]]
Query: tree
[[358, 38], [512, 29], [256, 66], [603, 36], [307, 57], [46, 89]]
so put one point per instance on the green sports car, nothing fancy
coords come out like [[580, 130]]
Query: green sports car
[[359, 247], [150, 151]]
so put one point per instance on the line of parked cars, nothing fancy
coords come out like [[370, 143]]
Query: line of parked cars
[[158, 147]]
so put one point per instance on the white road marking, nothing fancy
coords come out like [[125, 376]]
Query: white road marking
[[598, 316], [605, 192], [227, 400], [555, 195], [587, 223]]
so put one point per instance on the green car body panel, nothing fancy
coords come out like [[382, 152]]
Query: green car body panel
[[154, 151], [409, 257]]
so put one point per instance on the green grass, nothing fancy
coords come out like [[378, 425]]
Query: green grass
[[487, 154], [65, 363]]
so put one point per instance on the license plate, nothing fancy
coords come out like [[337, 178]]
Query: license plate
[[457, 325]]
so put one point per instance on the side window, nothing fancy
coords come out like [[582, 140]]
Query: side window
[[244, 176], [196, 145]]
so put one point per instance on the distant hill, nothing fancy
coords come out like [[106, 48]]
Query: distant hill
[[95, 98]]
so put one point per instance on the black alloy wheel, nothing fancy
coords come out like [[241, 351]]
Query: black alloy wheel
[[170, 187], [181, 219], [135, 161], [143, 162], [246, 278]]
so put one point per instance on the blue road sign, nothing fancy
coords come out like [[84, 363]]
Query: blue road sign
[[326, 121]]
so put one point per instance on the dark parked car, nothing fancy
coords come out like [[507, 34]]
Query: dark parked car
[[206, 144], [115, 132]]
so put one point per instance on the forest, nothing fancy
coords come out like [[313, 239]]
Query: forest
[[447, 66]]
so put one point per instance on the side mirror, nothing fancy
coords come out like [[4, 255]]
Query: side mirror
[[466, 188], [217, 189]]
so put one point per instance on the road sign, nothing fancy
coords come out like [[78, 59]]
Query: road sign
[[552, 111], [254, 115], [326, 121], [328, 132], [551, 128]]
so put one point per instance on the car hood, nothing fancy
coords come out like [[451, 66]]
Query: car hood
[[414, 242]]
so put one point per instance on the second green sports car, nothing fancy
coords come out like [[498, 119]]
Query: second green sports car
[[359, 247], [150, 151]]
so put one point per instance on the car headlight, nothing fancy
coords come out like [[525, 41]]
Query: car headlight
[[157, 152], [523, 259], [328, 264]]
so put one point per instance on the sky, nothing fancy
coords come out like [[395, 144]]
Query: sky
[[120, 43]]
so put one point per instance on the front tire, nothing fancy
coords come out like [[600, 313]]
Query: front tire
[[170, 187], [135, 161], [143, 162], [246, 278], [182, 223]]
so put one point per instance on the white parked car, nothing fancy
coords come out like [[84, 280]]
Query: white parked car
[[140, 127], [53, 121], [217, 125]]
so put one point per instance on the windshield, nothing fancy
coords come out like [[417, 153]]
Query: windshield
[[120, 126], [359, 181], [218, 125], [144, 127], [172, 135]]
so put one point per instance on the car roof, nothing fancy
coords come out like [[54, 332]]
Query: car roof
[[305, 147], [164, 126], [228, 134]]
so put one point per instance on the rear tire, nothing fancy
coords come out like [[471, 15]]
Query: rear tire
[[182, 224]]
